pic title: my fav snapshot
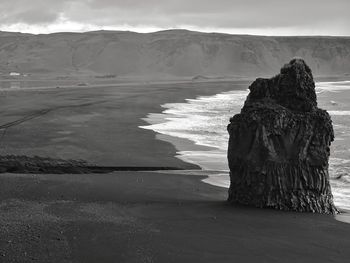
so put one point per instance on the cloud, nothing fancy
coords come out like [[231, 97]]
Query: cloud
[[30, 12], [325, 16]]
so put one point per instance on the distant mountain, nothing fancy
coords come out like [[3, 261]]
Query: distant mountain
[[169, 53]]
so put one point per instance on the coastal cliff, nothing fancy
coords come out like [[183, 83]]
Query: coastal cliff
[[279, 145], [169, 53]]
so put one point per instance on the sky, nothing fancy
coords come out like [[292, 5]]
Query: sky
[[258, 17]]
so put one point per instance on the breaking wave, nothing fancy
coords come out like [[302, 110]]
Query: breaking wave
[[204, 120]]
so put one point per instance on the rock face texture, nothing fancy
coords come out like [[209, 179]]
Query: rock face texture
[[279, 145]]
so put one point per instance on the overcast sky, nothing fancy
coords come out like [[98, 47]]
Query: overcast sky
[[263, 17]]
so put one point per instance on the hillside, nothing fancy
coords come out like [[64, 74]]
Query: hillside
[[168, 53]]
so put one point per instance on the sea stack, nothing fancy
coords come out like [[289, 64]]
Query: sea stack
[[279, 145]]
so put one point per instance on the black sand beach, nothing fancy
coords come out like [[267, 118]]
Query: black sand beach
[[133, 216], [96, 124]]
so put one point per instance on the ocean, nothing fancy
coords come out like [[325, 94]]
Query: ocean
[[204, 120]]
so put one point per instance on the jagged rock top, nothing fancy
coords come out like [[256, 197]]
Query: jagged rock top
[[293, 88]]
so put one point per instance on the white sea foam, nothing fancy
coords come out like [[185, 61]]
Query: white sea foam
[[339, 112], [332, 86], [203, 120], [218, 180]]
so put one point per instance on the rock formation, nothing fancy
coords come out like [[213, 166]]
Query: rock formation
[[279, 145]]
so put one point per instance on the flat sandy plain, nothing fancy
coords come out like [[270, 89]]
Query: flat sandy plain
[[133, 216]]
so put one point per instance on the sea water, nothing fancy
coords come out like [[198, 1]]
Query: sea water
[[204, 120]]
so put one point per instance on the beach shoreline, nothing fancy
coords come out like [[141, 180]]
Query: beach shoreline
[[168, 216], [209, 152]]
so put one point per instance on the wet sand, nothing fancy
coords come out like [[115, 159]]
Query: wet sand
[[134, 216], [96, 124]]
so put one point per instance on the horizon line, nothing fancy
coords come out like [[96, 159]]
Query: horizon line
[[170, 29]]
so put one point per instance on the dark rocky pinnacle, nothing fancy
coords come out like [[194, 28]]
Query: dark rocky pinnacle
[[279, 145]]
